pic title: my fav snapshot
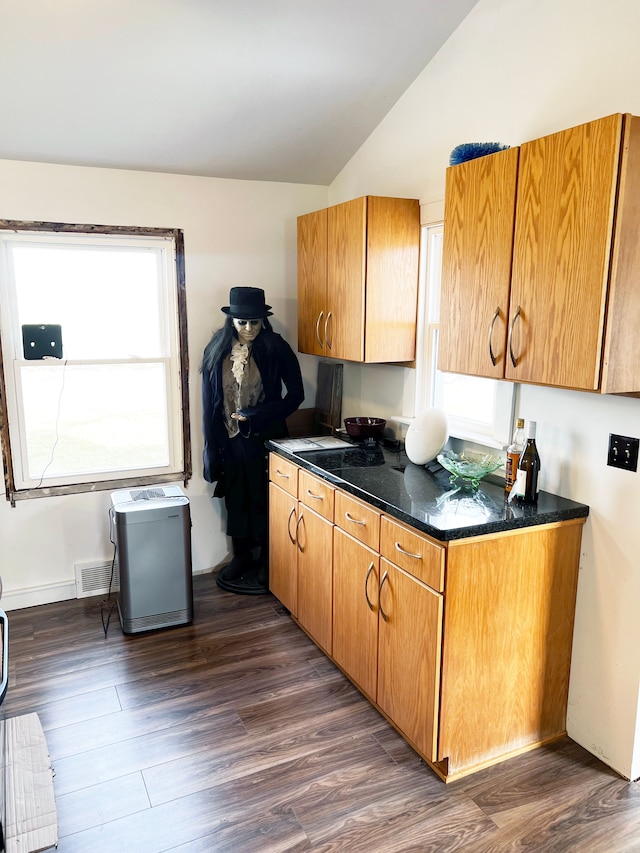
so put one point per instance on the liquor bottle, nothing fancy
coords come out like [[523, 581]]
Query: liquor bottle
[[525, 488], [514, 452]]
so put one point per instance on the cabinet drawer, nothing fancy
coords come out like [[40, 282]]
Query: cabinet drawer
[[358, 519], [413, 552], [283, 473], [316, 494]]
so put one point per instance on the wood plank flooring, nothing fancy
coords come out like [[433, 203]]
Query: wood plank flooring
[[237, 734]]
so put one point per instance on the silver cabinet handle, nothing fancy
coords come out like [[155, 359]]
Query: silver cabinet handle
[[408, 553], [293, 509], [320, 315], [354, 520], [315, 497], [297, 540], [496, 314], [514, 360], [366, 585], [328, 341], [280, 473], [385, 577]]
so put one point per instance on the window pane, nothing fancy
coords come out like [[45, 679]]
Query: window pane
[[106, 300], [82, 419], [469, 397]]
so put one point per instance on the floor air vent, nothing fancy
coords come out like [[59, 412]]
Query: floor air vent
[[94, 578]]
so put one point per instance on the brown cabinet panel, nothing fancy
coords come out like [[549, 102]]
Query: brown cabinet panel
[[509, 614], [283, 572], [315, 576], [284, 474], [422, 557], [477, 248], [359, 520], [355, 610], [346, 230], [409, 656], [564, 220], [312, 282], [316, 494], [393, 248]]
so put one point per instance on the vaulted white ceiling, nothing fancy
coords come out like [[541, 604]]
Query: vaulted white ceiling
[[275, 90]]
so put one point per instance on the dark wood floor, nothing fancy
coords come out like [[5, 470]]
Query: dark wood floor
[[237, 734]]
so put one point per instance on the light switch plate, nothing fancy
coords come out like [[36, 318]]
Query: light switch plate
[[623, 452]]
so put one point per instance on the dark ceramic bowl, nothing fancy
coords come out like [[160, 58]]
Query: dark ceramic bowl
[[365, 427]]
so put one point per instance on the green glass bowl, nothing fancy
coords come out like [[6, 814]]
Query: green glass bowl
[[468, 468]]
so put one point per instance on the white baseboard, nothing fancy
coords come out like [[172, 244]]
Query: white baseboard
[[51, 593]]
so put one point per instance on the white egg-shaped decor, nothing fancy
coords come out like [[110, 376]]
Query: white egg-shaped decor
[[426, 436]]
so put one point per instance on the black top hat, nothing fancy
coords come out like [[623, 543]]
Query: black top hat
[[247, 303]]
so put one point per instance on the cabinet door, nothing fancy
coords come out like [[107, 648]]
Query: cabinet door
[[315, 576], [312, 282], [283, 570], [393, 248], [355, 611], [476, 269], [564, 223], [410, 634], [346, 253]]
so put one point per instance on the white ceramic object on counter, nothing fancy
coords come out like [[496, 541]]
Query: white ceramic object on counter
[[426, 436]]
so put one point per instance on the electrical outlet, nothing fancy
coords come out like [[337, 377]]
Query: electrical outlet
[[623, 452]]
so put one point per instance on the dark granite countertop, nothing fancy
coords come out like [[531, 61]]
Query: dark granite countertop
[[423, 497]]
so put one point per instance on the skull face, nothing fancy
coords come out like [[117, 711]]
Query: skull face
[[248, 330]]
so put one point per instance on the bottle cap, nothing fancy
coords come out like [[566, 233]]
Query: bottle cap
[[531, 429]]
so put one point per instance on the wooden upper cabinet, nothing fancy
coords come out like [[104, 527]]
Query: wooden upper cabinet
[[564, 226], [476, 271], [346, 258], [312, 281], [358, 280], [571, 294]]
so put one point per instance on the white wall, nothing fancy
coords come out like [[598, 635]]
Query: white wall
[[513, 71], [235, 233]]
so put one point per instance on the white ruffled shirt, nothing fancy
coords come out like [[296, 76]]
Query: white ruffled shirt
[[241, 384]]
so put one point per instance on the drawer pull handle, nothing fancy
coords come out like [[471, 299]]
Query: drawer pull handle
[[385, 577], [315, 497], [354, 520], [328, 341], [282, 474], [293, 509], [408, 553], [366, 585]]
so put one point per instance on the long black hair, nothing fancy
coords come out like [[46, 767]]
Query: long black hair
[[221, 342]]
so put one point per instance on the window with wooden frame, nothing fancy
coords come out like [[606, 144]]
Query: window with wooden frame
[[94, 371]]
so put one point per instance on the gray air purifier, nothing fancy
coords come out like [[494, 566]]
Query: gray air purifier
[[151, 529]]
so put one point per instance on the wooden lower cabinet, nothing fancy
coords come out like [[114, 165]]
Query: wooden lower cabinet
[[410, 636], [506, 654], [356, 579], [283, 555], [464, 646], [301, 548], [315, 576]]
